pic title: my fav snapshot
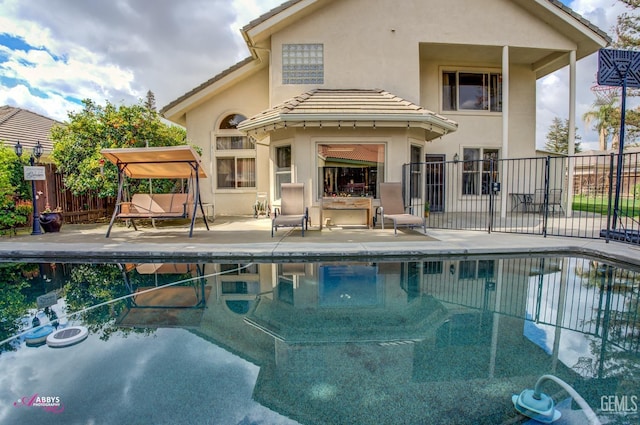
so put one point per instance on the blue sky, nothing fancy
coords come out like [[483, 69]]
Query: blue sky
[[53, 53]]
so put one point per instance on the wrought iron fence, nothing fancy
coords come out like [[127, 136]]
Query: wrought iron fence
[[583, 196]]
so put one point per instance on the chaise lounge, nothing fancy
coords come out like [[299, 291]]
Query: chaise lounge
[[392, 208]]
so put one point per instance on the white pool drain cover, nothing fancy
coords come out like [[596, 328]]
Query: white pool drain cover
[[67, 336]]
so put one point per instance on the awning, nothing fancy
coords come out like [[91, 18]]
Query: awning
[[169, 162], [348, 109]]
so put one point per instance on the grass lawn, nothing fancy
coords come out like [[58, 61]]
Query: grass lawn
[[628, 207]]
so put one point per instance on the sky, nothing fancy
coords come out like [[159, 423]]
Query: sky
[[54, 53]]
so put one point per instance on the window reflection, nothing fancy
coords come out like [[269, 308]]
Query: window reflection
[[350, 169]]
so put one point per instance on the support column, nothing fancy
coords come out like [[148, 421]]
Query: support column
[[572, 132], [505, 122]]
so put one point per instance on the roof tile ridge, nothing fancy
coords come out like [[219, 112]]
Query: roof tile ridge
[[10, 115]]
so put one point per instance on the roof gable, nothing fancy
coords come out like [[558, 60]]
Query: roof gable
[[257, 35]]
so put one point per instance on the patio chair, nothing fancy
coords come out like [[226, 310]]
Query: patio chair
[[537, 203], [292, 212], [555, 200], [392, 208]]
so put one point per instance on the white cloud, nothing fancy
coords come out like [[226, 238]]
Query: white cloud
[[553, 90], [117, 51]]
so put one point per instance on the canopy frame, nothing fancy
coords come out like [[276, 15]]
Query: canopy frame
[[168, 162]]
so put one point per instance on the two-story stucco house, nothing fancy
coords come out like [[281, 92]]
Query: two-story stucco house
[[339, 94]]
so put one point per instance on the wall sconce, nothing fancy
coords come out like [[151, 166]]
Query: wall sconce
[[456, 158], [452, 269]]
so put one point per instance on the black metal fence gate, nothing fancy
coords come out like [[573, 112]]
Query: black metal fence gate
[[573, 196]]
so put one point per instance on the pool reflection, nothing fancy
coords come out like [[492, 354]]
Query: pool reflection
[[401, 342]]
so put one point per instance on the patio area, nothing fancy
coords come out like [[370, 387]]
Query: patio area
[[244, 238]]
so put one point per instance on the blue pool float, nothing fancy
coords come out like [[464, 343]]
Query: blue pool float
[[38, 336]]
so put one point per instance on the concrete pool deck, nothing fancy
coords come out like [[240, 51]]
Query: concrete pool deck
[[249, 239]]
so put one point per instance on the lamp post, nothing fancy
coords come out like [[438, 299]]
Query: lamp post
[[35, 155]]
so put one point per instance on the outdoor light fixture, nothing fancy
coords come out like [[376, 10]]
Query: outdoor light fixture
[[36, 154], [456, 158], [18, 149]]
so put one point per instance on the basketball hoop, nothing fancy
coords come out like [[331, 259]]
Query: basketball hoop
[[606, 91]]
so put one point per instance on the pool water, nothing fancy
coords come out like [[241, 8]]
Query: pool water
[[431, 340]]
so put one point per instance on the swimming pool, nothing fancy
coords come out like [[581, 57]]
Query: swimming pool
[[431, 340]]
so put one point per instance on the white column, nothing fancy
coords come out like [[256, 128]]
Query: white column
[[572, 130], [505, 122]]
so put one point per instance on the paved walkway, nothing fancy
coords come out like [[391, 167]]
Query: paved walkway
[[246, 238]]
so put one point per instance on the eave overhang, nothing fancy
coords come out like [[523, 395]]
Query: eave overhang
[[347, 109]]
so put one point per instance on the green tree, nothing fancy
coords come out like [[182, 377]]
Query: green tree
[[558, 137], [13, 303], [628, 27], [13, 187], [627, 37], [605, 117], [77, 145]]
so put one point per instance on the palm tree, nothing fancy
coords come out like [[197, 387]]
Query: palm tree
[[606, 117]]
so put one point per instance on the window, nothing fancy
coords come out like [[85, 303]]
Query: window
[[350, 169], [415, 183], [471, 91], [432, 267], [235, 155], [235, 173], [482, 269], [282, 167], [302, 64], [477, 174]]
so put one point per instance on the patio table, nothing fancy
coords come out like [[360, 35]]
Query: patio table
[[348, 203], [521, 201]]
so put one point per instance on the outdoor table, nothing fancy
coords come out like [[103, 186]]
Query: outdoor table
[[521, 201]]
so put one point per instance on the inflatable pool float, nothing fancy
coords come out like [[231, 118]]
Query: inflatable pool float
[[67, 336], [38, 336]]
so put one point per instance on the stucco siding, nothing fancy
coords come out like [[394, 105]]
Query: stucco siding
[[247, 98], [375, 43]]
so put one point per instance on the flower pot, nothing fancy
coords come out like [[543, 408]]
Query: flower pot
[[51, 221]]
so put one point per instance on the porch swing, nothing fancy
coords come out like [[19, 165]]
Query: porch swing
[[170, 162]]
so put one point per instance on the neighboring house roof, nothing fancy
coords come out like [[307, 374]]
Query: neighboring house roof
[[17, 124], [348, 108], [278, 17], [357, 152]]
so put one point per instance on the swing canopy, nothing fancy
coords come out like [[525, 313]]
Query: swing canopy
[[167, 162]]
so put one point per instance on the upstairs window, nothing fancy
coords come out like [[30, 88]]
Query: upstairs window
[[302, 64], [471, 91]]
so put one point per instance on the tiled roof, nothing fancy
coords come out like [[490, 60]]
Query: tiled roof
[[17, 124], [557, 3], [273, 12], [349, 107], [580, 19]]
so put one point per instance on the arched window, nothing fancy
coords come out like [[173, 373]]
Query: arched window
[[231, 121], [235, 155]]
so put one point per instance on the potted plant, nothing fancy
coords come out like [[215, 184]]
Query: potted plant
[[427, 209], [51, 220]]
